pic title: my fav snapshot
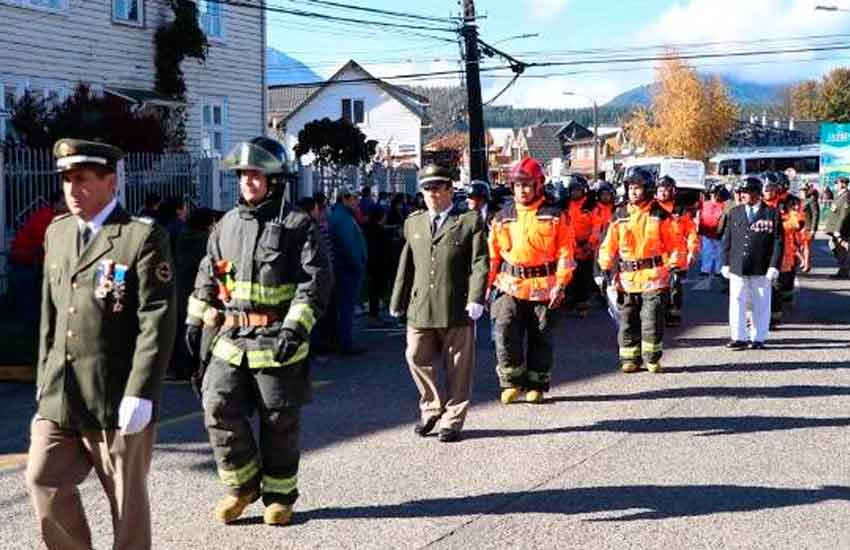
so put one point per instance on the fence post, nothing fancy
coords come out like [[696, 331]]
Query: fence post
[[215, 184], [121, 188]]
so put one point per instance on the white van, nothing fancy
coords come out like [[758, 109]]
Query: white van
[[689, 174]]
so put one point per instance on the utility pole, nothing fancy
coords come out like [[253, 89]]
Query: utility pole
[[595, 141], [477, 142]]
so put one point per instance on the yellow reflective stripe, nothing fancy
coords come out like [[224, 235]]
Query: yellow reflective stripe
[[262, 294], [226, 350], [280, 485], [650, 347], [240, 476], [196, 308], [630, 352], [302, 314], [264, 358]]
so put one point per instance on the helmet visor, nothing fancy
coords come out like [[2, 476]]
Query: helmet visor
[[247, 156]]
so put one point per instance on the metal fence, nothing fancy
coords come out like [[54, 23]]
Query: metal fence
[[378, 177]]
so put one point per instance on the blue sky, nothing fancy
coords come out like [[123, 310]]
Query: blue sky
[[628, 27]]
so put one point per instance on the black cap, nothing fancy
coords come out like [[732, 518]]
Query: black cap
[[479, 189], [751, 184], [434, 173]]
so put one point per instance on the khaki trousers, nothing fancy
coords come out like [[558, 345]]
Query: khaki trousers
[[452, 350], [61, 459]]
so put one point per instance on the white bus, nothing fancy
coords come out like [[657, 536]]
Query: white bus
[[804, 161]]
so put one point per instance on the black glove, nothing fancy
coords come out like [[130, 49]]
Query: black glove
[[193, 340], [287, 344]]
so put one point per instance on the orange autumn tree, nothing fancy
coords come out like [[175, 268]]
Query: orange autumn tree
[[688, 117]]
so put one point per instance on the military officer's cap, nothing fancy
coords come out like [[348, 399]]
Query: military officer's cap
[[434, 174], [751, 184], [71, 153]]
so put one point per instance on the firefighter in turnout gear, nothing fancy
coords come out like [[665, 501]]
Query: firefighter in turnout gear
[[641, 247], [261, 287], [777, 195], [587, 227], [687, 228], [531, 263]]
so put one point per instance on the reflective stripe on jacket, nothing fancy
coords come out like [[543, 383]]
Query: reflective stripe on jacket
[[641, 232], [529, 236]]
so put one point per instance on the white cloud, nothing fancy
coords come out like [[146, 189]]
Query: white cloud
[[547, 8], [700, 21]]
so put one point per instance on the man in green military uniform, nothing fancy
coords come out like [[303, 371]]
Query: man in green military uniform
[[262, 285], [838, 228], [440, 284], [107, 332]]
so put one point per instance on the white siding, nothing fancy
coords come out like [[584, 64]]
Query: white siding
[[388, 121], [84, 44]]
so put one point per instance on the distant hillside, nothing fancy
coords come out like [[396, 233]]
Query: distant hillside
[[283, 69], [741, 91]]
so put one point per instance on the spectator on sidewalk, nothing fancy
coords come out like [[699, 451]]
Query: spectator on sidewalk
[[378, 263], [837, 226], [153, 202], [811, 212], [709, 228], [26, 259], [350, 254], [752, 252]]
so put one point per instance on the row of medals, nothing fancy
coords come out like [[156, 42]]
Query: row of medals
[[111, 280]]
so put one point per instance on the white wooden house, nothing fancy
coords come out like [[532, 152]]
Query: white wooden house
[[388, 114], [48, 46]]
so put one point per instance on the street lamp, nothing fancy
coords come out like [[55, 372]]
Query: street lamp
[[595, 131]]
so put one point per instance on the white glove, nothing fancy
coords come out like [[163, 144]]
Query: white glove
[[475, 310], [395, 314], [772, 274], [725, 271], [134, 414]]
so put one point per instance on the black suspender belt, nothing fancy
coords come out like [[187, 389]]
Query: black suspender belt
[[530, 271], [637, 265]]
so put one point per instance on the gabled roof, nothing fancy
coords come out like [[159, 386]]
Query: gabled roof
[[292, 102], [542, 141]]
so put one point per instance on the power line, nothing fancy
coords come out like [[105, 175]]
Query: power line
[[373, 10]]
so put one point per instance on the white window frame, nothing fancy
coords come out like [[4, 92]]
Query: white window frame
[[353, 101], [118, 19], [209, 130], [205, 21], [38, 5]]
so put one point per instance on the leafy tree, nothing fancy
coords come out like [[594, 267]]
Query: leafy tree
[[805, 100], [86, 115], [335, 143], [835, 96], [687, 117]]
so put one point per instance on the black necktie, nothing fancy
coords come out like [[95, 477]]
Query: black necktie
[[85, 237], [435, 224], [751, 214]]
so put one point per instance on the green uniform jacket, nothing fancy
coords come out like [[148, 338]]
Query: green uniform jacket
[[838, 220], [437, 276], [92, 353]]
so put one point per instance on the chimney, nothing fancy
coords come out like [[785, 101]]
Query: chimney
[[791, 124], [764, 118]]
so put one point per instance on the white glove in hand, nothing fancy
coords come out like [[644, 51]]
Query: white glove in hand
[[395, 314], [772, 273], [134, 414], [724, 270], [475, 310]]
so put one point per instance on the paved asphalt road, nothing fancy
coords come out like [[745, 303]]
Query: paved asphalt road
[[725, 450]]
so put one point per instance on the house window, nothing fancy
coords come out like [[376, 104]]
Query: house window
[[128, 11], [354, 111], [213, 125], [44, 5], [209, 13]]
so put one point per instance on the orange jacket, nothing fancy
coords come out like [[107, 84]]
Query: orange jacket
[[687, 227], [793, 220], [531, 236], [587, 227], [642, 232]]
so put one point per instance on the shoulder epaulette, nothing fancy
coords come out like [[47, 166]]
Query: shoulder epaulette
[[416, 213], [143, 219], [548, 210], [506, 214], [60, 217]]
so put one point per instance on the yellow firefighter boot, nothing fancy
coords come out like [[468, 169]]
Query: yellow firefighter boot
[[534, 396], [509, 395], [230, 507], [654, 368], [277, 514], [630, 367]]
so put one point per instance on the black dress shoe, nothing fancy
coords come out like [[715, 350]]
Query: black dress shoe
[[757, 345], [424, 428], [737, 345], [449, 436]]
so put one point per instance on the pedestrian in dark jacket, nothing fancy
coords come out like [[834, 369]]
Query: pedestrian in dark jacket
[[378, 262]]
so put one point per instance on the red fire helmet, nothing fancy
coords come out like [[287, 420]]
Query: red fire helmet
[[528, 169]]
